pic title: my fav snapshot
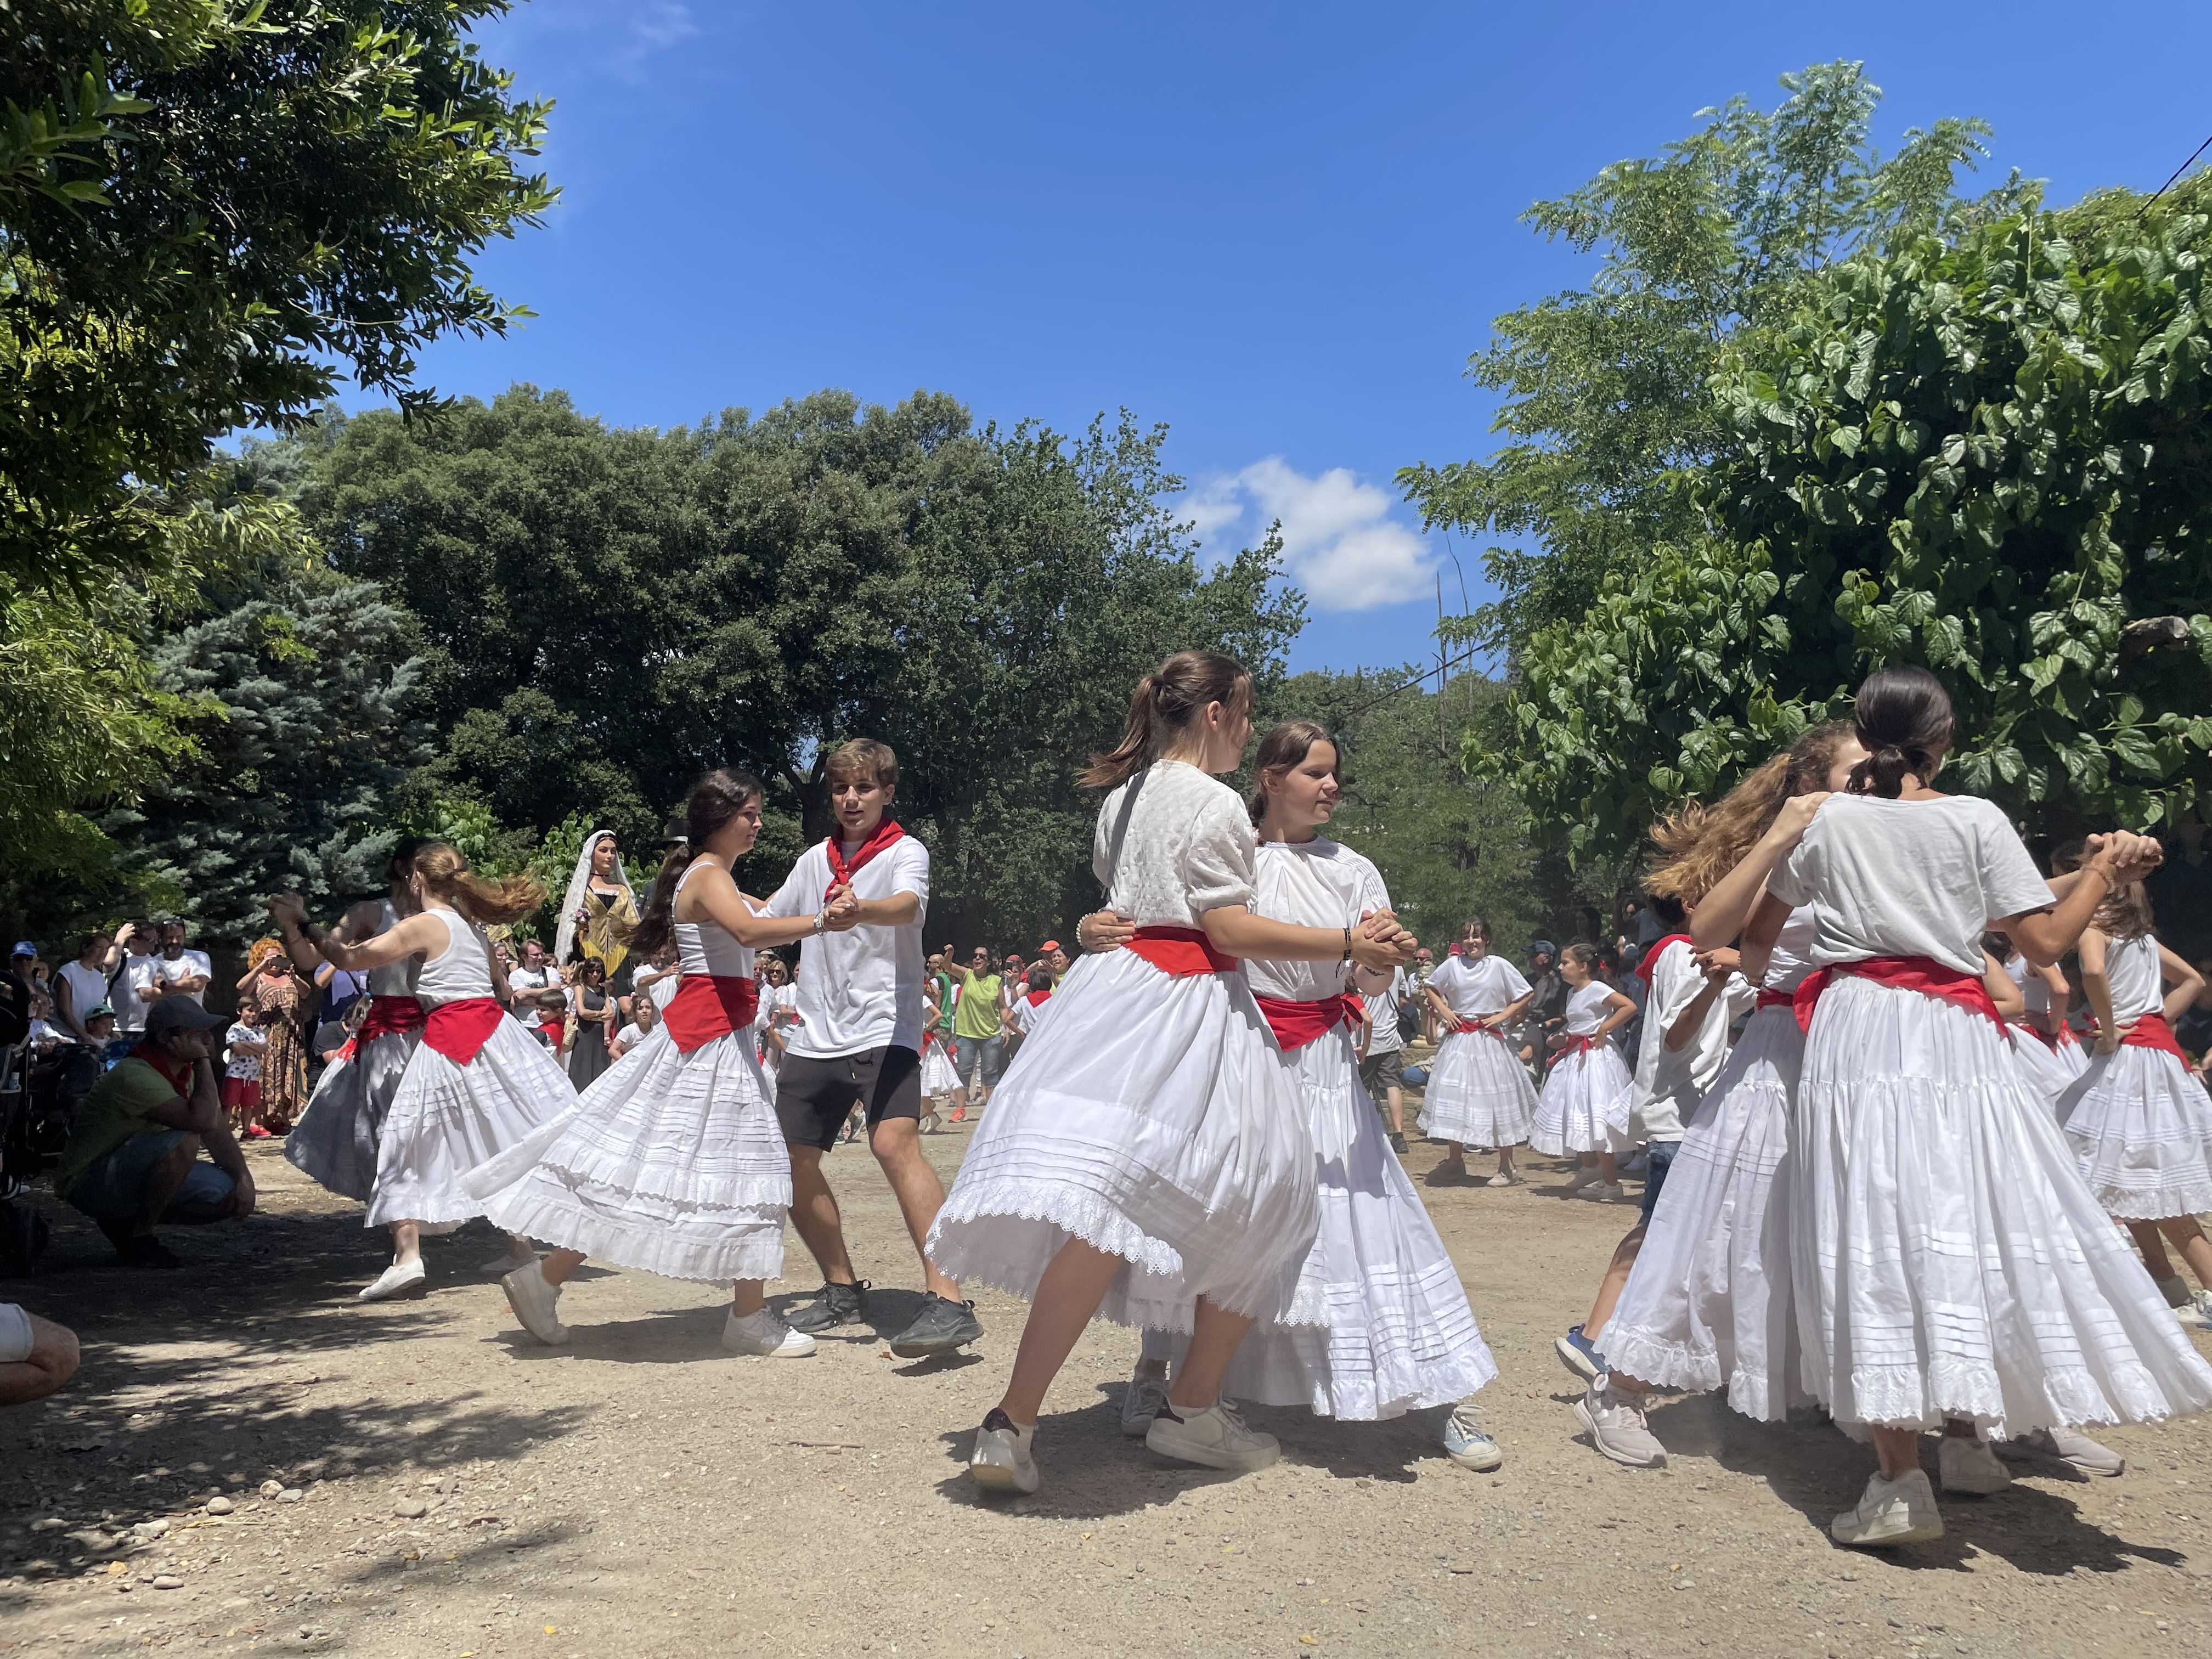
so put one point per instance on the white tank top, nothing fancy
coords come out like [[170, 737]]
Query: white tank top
[[1586, 1008], [394, 978], [1792, 958], [464, 968], [2033, 991], [2132, 969], [709, 949]]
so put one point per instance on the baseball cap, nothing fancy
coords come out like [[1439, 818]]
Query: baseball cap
[[25, 948], [180, 1013], [100, 1011], [1047, 947], [1542, 947]]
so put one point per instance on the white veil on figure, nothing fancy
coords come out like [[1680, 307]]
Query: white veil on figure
[[564, 940]]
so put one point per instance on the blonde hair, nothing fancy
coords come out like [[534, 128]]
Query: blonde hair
[[445, 873], [1700, 844], [862, 758], [2124, 913], [1165, 702]]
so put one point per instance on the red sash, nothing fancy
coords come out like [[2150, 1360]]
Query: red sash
[[2151, 1031], [1180, 952], [841, 872], [1773, 1000], [1649, 959], [459, 1030], [1296, 1024], [1476, 1025], [1576, 1045], [1922, 974], [710, 1005], [386, 1017]]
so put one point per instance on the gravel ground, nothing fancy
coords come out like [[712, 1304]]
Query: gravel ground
[[418, 1479]]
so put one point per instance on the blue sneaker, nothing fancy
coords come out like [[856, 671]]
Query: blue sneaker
[[1580, 1355], [1467, 1445]]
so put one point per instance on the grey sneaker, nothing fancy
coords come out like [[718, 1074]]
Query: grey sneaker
[[1900, 1511], [1215, 1436], [940, 1328], [1141, 1401], [833, 1304], [1969, 1466], [2068, 1446], [1467, 1445], [1617, 1428], [1579, 1354]]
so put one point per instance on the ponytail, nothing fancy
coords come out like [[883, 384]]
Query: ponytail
[[482, 900], [1165, 703], [1903, 716], [716, 798]]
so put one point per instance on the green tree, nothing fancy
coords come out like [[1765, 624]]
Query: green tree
[[302, 730], [1992, 456], [1603, 405]]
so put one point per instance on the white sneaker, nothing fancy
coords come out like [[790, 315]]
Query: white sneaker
[[397, 1279], [535, 1304], [764, 1334], [1466, 1444], [1215, 1436], [1970, 1466], [1141, 1400], [2196, 1315], [1602, 1191], [1617, 1426], [1900, 1511], [1001, 1460], [1582, 1177], [1505, 1178], [2068, 1446], [509, 1258]]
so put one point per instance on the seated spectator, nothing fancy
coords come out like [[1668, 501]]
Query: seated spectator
[[36, 1355], [99, 1034], [180, 972], [242, 1073], [133, 1158]]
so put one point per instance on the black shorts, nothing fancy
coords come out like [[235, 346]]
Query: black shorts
[[813, 1097]]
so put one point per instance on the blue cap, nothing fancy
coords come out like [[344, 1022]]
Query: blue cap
[[25, 948]]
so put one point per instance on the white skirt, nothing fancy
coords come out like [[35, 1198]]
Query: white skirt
[[2142, 1127], [1154, 1118], [671, 1163], [2047, 1075], [1584, 1105], [1949, 1259], [1379, 1325], [937, 1076], [1478, 1093], [1707, 1303], [446, 1118], [335, 1142]]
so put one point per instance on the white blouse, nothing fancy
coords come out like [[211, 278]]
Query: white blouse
[[1173, 843], [1313, 884]]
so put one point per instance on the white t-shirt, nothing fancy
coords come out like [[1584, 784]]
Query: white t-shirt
[[663, 990], [1669, 1080], [242, 1064], [88, 988], [860, 989], [16, 1338], [136, 974], [1485, 985], [1909, 879], [1383, 1036], [1586, 1008], [630, 1037], [1313, 884], [1023, 1016], [189, 964], [524, 983], [1186, 846]]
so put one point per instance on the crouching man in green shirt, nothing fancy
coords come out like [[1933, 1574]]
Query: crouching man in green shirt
[[133, 1157]]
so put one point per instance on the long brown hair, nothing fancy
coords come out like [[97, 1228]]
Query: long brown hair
[[2124, 913], [1904, 718], [482, 900], [714, 801], [1165, 702], [1700, 844], [1283, 750]]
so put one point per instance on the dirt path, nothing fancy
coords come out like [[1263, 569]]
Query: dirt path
[[441, 1486]]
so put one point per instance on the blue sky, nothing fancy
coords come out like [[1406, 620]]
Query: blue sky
[[1279, 229]]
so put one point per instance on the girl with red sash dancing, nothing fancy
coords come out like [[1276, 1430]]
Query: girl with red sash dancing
[[1948, 1260], [672, 1163], [2139, 1119], [1588, 1090], [476, 1083], [1147, 1156], [336, 1140], [1478, 1093], [1380, 1324]]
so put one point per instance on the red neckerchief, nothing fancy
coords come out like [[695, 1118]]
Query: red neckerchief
[[1924, 974], [177, 1074], [1035, 997], [841, 871], [1649, 959]]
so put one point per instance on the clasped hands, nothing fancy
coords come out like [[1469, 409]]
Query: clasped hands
[[1378, 943], [841, 910]]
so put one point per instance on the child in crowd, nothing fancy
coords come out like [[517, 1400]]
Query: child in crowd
[[241, 1073]]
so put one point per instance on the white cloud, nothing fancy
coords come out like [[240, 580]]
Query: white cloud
[[623, 39], [1339, 543]]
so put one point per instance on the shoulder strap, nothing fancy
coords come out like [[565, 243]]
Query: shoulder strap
[[1121, 827]]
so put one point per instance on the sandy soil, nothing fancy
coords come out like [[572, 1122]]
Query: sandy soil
[[420, 1479]]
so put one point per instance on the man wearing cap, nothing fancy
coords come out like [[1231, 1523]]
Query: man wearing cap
[[133, 1157], [1054, 959]]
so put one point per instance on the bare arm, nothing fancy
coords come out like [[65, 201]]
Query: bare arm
[[1238, 932], [1512, 1012], [714, 896], [2011, 1006], [2098, 989], [2183, 978], [1620, 1009], [2044, 936], [1759, 935], [1722, 912]]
